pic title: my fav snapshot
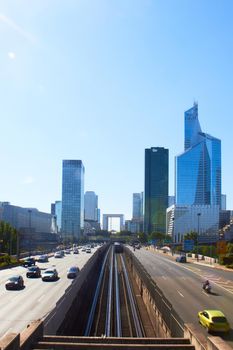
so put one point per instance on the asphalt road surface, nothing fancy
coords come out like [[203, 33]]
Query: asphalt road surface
[[182, 286], [18, 308]]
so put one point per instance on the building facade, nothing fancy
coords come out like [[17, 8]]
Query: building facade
[[72, 222], [198, 168], [184, 219], [156, 189], [138, 206], [25, 219], [90, 206]]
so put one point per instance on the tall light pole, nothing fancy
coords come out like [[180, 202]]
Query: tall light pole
[[72, 233], [30, 226], [198, 231]]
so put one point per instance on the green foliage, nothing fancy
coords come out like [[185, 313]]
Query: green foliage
[[8, 238], [142, 237], [226, 260], [6, 260], [230, 248], [191, 235]]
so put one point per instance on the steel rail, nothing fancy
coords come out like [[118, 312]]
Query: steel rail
[[137, 323], [117, 298], [108, 321], [95, 299]]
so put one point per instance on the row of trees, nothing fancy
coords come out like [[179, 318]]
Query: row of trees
[[8, 238]]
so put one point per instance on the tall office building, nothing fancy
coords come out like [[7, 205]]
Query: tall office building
[[198, 168], [138, 206], [156, 189], [90, 206], [72, 198]]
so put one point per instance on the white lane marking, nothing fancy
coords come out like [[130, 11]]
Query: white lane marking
[[42, 296], [180, 294], [196, 273], [205, 293]]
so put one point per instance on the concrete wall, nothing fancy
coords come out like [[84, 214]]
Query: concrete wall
[[63, 308]]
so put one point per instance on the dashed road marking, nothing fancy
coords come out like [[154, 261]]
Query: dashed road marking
[[180, 294]]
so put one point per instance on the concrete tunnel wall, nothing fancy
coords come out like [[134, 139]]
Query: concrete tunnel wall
[[61, 319]]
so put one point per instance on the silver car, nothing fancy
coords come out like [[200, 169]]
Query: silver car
[[49, 275]]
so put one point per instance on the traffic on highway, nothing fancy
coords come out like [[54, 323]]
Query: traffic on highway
[[182, 284], [41, 285]]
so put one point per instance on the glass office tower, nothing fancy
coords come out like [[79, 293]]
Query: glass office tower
[[72, 198], [198, 169], [138, 205], [156, 189]]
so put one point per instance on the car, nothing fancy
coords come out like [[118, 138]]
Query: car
[[49, 275], [33, 271], [88, 250], [14, 282], [58, 255], [213, 320], [72, 272], [181, 259], [75, 251], [83, 249], [67, 251], [43, 258], [29, 262]]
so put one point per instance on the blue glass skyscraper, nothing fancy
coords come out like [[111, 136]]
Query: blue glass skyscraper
[[198, 169], [72, 198]]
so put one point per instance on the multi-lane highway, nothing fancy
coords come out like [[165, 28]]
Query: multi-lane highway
[[20, 307], [182, 285]]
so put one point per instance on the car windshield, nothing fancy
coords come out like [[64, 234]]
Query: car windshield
[[73, 269], [32, 268], [219, 319], [49, 271], [14, 279]]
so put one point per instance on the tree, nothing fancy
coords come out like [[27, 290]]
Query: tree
[[191, 235], [142, 237], [8, 238], [230, 248]]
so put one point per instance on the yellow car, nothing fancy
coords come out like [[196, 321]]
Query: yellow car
[[214, 320]]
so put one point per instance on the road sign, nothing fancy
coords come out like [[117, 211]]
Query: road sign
[[188, 245]]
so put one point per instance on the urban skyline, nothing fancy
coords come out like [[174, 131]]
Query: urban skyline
[[112, 80]]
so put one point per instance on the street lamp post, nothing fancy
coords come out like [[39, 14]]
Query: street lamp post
[[72, 233], [198, 231]]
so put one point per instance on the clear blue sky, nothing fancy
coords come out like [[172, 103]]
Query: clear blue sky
[[102, 80]]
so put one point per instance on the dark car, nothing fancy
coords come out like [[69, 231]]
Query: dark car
[[33, 271], [181, 259], [29, 262], [43, 258], [72, 272], [15, 282]]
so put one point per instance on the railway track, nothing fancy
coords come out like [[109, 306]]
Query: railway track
[[114, 311]]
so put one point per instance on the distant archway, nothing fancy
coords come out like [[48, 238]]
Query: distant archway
[[106, 221]]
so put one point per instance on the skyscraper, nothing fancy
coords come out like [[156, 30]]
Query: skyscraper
[[156, 189], [72, 198], [198, 169], [138, 206], [90, 206]]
